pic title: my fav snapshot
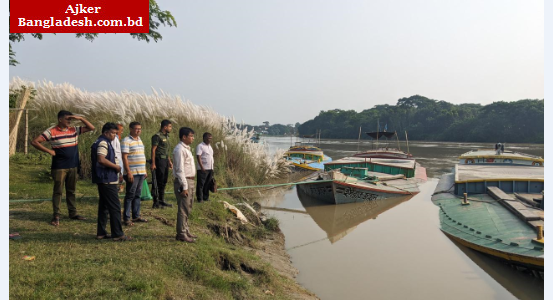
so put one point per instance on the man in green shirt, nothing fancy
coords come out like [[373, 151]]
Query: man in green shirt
[[161, 163]]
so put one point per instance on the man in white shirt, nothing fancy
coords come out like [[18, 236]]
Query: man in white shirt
[[116, 144], [204, 154], [183, 183]]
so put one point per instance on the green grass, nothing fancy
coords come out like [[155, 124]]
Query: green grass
[[71, 263]]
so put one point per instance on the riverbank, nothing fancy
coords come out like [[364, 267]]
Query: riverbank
[[229, 261]]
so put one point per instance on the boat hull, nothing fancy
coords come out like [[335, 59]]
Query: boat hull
[[337, 192]]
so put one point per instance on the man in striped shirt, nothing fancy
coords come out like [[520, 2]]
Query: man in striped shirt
[[134, 162], [63, 139]]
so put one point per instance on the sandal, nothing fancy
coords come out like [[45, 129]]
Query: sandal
[[140, 220], [123, 238], [128, 223], [55, 221], [103, 237]]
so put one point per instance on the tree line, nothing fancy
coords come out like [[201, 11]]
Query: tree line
[[427, 119]]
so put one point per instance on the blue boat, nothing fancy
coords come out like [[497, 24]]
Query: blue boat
[[306, 157]]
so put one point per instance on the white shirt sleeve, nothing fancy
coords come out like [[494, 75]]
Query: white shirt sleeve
[[179, 156]]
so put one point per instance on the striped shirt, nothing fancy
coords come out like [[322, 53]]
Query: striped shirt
[[65, 144], [136, 157], [103, 150]]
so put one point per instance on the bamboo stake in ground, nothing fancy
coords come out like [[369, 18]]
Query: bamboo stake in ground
[[26, 131], [22, 101]]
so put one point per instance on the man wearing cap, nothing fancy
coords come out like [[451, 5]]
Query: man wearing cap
[[63, 139], [161, 163]]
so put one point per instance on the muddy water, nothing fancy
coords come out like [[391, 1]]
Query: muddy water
[[391, 250]]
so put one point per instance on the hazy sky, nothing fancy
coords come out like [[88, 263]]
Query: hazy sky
[[284, 61]]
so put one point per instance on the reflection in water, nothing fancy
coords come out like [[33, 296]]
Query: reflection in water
[[402, 254], [339, 220], [521, 285]]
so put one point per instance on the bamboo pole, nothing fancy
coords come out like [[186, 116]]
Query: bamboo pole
[[407, 140], [26, 131], [359, 139], [377, 132], [398, 145], [23, 97]]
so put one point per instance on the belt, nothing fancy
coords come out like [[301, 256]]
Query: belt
[[191, 178], [161, 156]]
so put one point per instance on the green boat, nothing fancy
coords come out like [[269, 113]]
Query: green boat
[[496, 209]]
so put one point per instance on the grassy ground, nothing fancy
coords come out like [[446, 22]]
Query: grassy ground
[[71, 263]]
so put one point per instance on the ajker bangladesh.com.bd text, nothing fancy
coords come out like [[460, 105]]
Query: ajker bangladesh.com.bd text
[[51, 22]]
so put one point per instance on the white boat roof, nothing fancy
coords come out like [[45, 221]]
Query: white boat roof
[[401, 163], [477, 173], [490, 153]]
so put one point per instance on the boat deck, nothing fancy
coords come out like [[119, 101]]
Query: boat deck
[[487, 225], [400, 163], [475, 173], [492, 153]]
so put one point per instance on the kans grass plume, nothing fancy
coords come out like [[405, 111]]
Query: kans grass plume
[[241, 160]]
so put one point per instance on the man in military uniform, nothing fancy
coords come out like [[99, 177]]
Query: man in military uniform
[[161, 163]]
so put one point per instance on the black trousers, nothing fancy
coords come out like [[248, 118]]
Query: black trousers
[[202, 184], [162, 174], [109, 204]]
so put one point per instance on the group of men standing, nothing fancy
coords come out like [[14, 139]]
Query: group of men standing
[[115, 161]]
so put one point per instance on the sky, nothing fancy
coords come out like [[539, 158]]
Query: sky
[[285, 61]]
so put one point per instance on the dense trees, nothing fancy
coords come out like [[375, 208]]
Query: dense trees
[[428, 119]]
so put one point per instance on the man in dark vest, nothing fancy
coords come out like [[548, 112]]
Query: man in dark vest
[[161, 163], [105, 173]]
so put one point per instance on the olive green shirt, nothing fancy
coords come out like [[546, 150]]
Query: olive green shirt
[[161, 140]]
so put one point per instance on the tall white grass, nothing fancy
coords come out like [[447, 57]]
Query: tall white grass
[[127, 106]]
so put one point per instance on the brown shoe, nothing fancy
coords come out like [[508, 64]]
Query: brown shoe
[[192, 235], [184, 238]]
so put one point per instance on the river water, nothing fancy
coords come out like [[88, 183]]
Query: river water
[[393, 251]]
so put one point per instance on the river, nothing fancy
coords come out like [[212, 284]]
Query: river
[[396, 251]]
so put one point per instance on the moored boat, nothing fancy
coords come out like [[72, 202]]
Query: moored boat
[[351, 180], [384, 152], [495, 207], [307, 157], [490, 156]]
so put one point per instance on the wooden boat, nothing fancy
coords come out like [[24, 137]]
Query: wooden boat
[[490, 156], [384, 152], [256, 138], [307, 157], [503, 214], [352, 180]]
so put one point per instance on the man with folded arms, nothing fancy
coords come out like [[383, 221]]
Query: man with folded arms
[[183, 183], [105, 173], [65, 159]]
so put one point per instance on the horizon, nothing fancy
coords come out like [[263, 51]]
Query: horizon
[[294, 59]]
